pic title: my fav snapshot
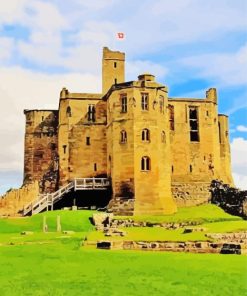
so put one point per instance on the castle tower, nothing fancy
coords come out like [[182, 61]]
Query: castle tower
[[138, 145], [113, 65]]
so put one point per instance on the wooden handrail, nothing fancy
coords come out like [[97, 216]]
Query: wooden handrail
[[51, 198]]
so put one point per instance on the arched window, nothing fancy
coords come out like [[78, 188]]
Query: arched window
[[68, 112], [163, 137], [145, 135], [123, 137], [145, 163]]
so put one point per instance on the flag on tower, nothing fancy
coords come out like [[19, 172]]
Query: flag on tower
[[120, 36]]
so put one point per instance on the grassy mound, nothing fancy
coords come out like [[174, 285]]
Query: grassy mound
[[202, 214]]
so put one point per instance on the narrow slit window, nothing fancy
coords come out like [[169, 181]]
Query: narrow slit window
[[123, 100], [145, 135], [115, 64], [219, 132], [64, 149], [144, 101], [145, 163], [161, 103], [194, 124], [87, 141], [68, 112], [171, 117], [123, 137], [163, 137], [191, 169], [115, 81], [172, 169], [95, 167], [91, 112]]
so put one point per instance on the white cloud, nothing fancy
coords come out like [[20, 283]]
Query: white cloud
[[241, 128], [135, 68], [12, 11], [239, 162], [6, 45], [226, 69]]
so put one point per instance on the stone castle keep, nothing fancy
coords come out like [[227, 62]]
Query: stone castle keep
[[158, 152]]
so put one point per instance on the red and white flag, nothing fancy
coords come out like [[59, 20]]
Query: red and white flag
[[120, 36]]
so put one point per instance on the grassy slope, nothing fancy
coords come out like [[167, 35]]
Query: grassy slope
[[202, 214], [76, 221]]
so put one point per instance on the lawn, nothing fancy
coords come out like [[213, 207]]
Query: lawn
[[57, 264], [200, 214], [67, 269]]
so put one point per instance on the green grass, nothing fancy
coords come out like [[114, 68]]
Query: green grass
[[56, 264], [157, 233], [64, 269], [76, 221], [201, 214]]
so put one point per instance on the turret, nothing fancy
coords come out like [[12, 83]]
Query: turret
[[211, 95], [112, 68]]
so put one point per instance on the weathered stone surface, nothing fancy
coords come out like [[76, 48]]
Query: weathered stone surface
[[102, 220], [13, 201]]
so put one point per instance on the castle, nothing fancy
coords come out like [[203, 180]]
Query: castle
[[159, 152]]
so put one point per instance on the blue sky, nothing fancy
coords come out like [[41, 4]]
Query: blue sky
[[190, 45]]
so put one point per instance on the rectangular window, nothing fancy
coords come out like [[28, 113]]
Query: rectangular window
[[115, 64], [115, 81], [91, 113], [194, 125], [144, 101], [95, 167], [123, 103], [64, 148], [171, 117], [87, 141]]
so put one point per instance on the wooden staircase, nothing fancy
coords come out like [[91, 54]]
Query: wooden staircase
[[47, 201]]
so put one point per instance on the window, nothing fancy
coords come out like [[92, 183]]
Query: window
[[171, 117], [145, 163], [68, 112], [144, 102], [95, 167], [191, 169], [123, 137], [64, 148], [145, 135], [219, 132], [115, 81], [91, 113], [163, 137], [193, 121], [115, 64], [161, 102], [172, 169], [87, 141], [123, 100]]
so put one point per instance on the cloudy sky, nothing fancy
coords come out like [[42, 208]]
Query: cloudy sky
[[190, 45]]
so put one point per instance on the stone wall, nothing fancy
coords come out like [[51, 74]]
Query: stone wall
[[170, 246], [191, 194], [14, 201], [41, 152], [119, 206]]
